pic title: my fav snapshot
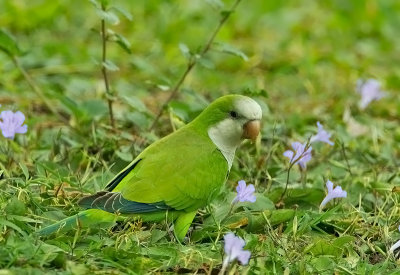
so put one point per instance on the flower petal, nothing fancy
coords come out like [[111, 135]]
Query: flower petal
[[297, 146], [19, 118], [333, 193], [244, 193], [6, 115], [288, 154], [369, 90], [327, 199], [241, 186], [22, 130], [12, 123], [234, 249], [329, 186], [244, 257]]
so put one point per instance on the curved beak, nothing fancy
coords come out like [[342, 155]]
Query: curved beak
[[251, 129]]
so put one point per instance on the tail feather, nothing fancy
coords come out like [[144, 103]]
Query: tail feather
[[82, 219], [114, 202]]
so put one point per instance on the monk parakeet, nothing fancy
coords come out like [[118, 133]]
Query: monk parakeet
[[176, 175]]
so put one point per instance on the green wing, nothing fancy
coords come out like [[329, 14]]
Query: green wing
[[182, 171]]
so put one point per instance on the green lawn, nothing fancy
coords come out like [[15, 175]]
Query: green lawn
[[300, 60]]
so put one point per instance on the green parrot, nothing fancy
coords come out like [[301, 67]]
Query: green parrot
[[176, 175]]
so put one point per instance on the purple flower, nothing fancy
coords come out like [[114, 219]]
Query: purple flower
[[333, 193], [299, 156], [244, 193], [234, 249], [369, 90], [396, 245], [12, 124], [322, 135]]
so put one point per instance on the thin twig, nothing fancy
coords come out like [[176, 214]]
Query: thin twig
[[345, 157], [287, 181], [104, 69], [292, 163], [36, 88], [193, 62]]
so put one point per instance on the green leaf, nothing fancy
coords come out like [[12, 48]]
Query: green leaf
[[272, 217], [136, 103], [229, 49], [139, 119], [221, 212], [343, 240], [94, 108], [184, 50], [180, 109], [15, 207], [163, 87], [108, 16], [13, 226], [218, 4], [280, 215], [297, 194], [338, 164], [157, 235], [96, 4], [105, 3], [262, 202], [206, 63], [24, 170], [225, 13], [324, 247], [8, 44], [126, 156], [109, 65], [70, 105], [124, 12], [23, 219], [123, 42], [162, 252], [324, 265]]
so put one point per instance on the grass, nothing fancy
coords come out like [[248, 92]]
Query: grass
[[299, 60]]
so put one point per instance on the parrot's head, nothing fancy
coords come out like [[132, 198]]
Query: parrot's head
[[230, 119]]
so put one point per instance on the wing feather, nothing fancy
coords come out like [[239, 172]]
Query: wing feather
[[185, 172], [182, 171]]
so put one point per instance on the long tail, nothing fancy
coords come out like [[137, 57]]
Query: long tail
[[82, 219]]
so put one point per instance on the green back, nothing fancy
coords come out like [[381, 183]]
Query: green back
[[185, 170]]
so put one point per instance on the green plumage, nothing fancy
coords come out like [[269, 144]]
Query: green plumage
[[178, 174]]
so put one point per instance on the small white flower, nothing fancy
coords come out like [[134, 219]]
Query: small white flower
[[244, 193], [11, 124], [369, 90], [333, 193], [322, 135], [234, 249], [299, 154]]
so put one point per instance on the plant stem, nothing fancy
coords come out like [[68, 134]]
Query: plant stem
[[224, 266], [287, 182], [104, 69], [345, 157], [36, 88], [193, 62], [293, 162], [229, 212]]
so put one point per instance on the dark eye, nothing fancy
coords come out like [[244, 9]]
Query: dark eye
[[233, 114]]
